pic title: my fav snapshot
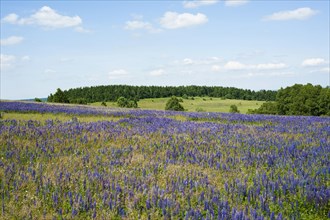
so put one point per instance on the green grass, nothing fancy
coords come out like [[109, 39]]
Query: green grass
[[202, 103], [61, 117]]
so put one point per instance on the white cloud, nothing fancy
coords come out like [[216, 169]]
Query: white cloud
[[235, 65], [48, 18], [203, 61], [117, 73], [198, 3], [234, 3], [141, 25], [187, 61], [11, 19], [7, 61], [297, 14], [134, 25], [313, 62], [158, 72], [215, 68], [269, 66], [11, 40], [173, 20]]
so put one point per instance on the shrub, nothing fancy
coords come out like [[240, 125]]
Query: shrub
[[37, 100], [104, 104], [126, 103], [233, 109], [174, 104]]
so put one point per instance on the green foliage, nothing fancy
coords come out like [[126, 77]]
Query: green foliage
[[80, 101], [111, 93], [298, 100], [122, 102], [50, 98], [233, 109], [104, 104], [126, 103], [268, 108], [199, 109], [303, 100], [37, 100], [174, 104], [60, 97]]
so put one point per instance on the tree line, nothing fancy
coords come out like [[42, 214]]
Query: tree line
[[298, 100], [92, 94]]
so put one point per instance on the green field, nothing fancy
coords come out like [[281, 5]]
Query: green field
[[206, 104]]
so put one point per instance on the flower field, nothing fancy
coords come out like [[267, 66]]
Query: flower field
[[162, 165]]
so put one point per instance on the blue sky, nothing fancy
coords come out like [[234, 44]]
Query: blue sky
[[256, 45]]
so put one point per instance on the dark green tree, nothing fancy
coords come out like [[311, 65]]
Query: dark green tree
[[122, 102], [37, 100], [60, 97], [234, 109], [50, 98], [268, 108], [173, 104]]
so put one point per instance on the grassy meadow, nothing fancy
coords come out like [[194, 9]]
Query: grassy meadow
[[85, 162], [206, 104]]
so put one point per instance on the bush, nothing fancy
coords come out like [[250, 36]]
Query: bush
[[122, 102], [37, 100], [104, 104], [233, 109], [268, 108], [174, 104], [126, 103], [185, 96]]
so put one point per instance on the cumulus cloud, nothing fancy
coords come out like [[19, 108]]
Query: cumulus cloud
[[297, 14], [157, 72], [11, 19], [269, 66], [313, 62], [215, 68], [134, 25], [117, 73], [173, 20], [234, 3], [138, 24], [235, 65], [7, 61], [48, 18], [187, 61], [11, 40], [198, 3], [202, 61]]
